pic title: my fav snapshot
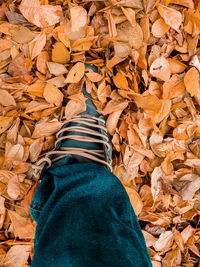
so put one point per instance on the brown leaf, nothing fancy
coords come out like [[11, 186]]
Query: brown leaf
[[13, 131], [6, 99], [5, 123], [188, 191], [36, 46], [53, 95], [191, 80], [159, 28], [113, 106], [120, 81], [36, 106], [133, 34], [23, 227], [156, 185], [94, 77], [78, 18], [171, 16], [18, 66], [56, 68], [46, 128], [17, 256], [35, 149], [41, 62], [160, 68], [23, 35], [165, 240], [60, 54], [76, 73], [112, 121], [135, 200], [5, 44], [149, 239], [73, 108], [40, 15], [13, 187]]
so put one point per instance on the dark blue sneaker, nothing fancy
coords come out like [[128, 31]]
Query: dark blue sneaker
[[84, 138]]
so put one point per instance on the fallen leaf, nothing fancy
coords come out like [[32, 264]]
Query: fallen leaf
[[5, 44], [35, 149], [23, 227], [13, 187], [191, 80], [112, 121], [17, 256], [133, 34], [73, 108], [113, 106], [164, 241], [41, 62], [120, 81], [149, 239], [6, 99], [36, 46], [60, 54], [159, 28], [5, 123], [36, 106], [135, 200], [53, 95], [76, 73], [22, 35], [160, 68], [193, 184], [94, 77], [171, 16], [18, 66], [78, 18], [156, 185], [40, 15], [46, 128], [56, 68]]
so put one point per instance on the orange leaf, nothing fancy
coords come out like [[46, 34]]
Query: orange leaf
[[40, 15], [6, 99], [160, 68], [172, 17], [53, 95], [76, 73], [36, 46], [191, 81]]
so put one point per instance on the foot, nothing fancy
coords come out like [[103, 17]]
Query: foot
[[84, 138]]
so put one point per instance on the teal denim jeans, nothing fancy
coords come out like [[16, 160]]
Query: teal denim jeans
[[85, 219]]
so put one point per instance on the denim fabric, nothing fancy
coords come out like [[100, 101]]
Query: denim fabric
[[85, 219]]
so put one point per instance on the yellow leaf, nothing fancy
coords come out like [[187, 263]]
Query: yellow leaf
[[191, 81], [53, 95], [40, 15], [60, 54], [159, 28], [76, 73], [172, 17], [6, 99]]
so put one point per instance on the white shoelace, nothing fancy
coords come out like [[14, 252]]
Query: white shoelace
[[94, 155]]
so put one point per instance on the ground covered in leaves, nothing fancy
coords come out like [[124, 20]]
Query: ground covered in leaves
[[147, 54]]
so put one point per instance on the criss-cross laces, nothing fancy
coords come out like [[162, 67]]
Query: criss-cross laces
[[98, 134]]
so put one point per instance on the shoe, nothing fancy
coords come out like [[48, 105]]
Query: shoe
[[84, 138]]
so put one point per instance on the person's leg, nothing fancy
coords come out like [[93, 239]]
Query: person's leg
[[84, 218]]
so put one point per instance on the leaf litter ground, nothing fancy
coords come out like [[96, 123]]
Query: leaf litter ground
[[147, 54]]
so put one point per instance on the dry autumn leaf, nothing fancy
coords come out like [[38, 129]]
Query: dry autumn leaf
[[191, 81], [159, 28], [171, 16], [53, 95], [5, 123], [160, 68], [6, 99], [40, 15], [46, 128], [60, 54], [74, 108], [76, 73], [17, 256], [36, 46]]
